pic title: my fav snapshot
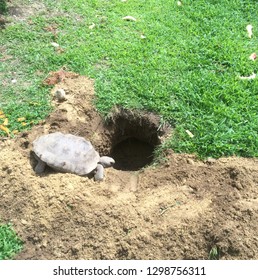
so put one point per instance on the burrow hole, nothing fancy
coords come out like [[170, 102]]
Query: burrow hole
[[134, 135]]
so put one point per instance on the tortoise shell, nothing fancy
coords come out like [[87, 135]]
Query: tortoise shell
[[66, 153]]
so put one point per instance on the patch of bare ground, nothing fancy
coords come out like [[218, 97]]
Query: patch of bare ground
[[179, 209], [22, 11]]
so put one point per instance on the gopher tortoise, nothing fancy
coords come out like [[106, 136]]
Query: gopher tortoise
[[71, 154]]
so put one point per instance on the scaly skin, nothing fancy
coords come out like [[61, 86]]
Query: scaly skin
[[106, 161], [99, 175]]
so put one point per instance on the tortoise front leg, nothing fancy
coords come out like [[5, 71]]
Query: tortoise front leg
[[99, 173], [40, 167]]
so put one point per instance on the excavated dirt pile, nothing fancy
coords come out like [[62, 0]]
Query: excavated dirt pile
[[179, 209]]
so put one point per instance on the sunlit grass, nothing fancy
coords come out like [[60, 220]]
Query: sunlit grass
[[182, 62], [10, 244]]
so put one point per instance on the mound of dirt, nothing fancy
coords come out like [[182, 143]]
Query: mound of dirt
[[180, 209]]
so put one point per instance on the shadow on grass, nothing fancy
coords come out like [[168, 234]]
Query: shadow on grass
[[3, 7], [3, 11]]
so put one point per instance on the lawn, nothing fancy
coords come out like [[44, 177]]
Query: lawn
[[10, 243], [182, 62]]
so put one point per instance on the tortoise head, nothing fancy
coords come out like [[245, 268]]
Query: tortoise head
[[106, 161]]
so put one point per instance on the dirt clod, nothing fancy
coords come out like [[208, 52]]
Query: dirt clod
[[177, 210]]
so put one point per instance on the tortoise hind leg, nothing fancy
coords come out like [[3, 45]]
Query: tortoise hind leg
[[40, 167]]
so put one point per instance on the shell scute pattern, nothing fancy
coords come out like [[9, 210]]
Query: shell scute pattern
[[66, 153]]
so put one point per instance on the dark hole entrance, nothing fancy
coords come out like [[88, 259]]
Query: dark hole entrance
[[132, 154], [133, 137]]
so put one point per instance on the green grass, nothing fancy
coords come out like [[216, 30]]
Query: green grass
[[186, 69], [3, 7], [10, 244], [214, 253]]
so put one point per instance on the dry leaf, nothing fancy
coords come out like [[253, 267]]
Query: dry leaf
[[251, 77], [55, 45], [15, 131], [59, 50], [129, 18], [58, 76], [6, 57], [253, 56], [34, 103], [21, 119], [2, 115], [52, 28], [190, 134], [92, 26], [5, 123], [23, 123], [5, 129], [249, 29]]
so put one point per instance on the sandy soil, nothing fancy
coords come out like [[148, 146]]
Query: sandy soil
[[178, 209]]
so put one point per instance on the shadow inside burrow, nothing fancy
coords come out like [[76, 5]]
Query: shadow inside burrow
[[134, 137]]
